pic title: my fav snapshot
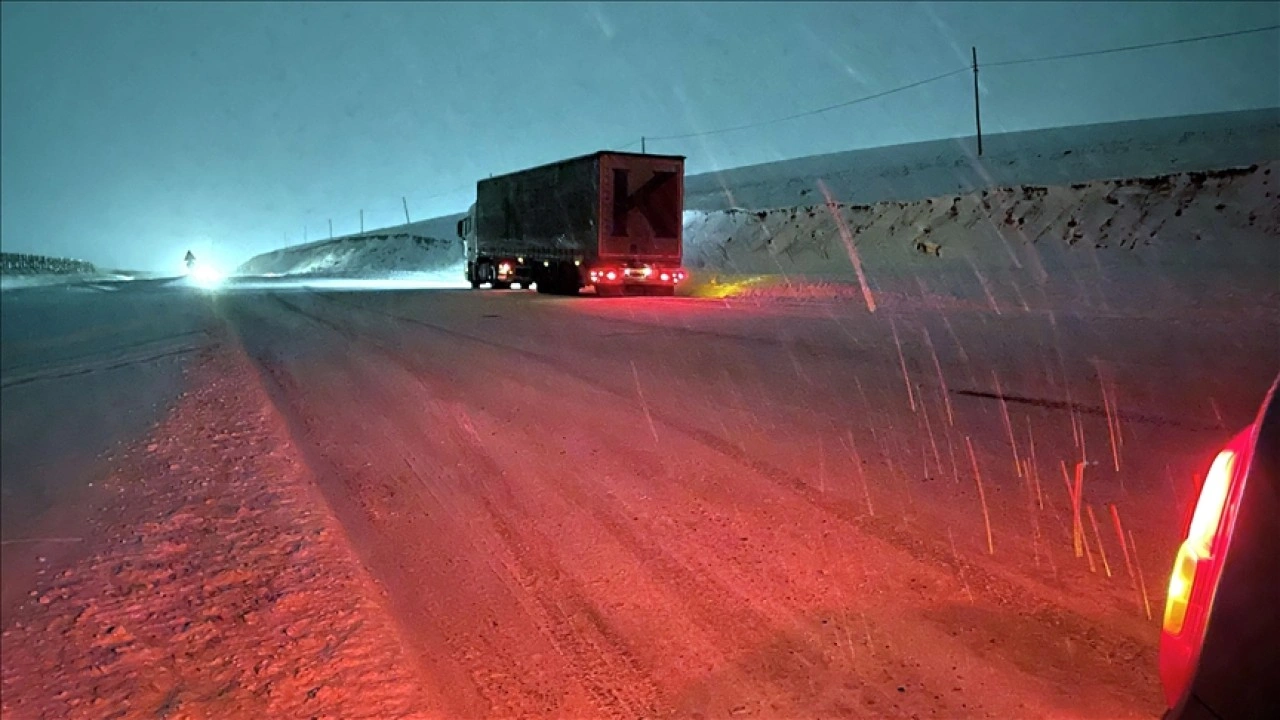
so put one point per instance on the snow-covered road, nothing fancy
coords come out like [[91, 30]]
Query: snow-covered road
[[82, 371], [704, 508]]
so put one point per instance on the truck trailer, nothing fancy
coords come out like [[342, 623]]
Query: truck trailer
[[611, 221]]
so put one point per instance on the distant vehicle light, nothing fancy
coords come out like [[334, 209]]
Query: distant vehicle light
[[665, 277], [206, 276], [611, 275]]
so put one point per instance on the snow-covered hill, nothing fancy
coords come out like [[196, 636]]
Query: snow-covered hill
[[1058, 156], [1200, 242], [428, 246], [1105, 217]]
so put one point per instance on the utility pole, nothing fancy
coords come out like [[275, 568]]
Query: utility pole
[[643, 151], [977, 108], [406, 212], [330, 228], [361, 221]]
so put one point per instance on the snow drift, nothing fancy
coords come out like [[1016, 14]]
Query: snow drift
[[1044, 219], [1196, 242], [24, 270], [427, 247], [1055, 156]]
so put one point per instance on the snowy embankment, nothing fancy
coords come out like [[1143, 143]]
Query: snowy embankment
[[1198, 242], [423, 249], [1104, 218], [1054, 156], [1163, 215], [23, 270]]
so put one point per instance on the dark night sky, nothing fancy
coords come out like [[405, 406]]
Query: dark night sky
[[131, 132]]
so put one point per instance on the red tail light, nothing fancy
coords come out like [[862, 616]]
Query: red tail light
[[1199, 565]]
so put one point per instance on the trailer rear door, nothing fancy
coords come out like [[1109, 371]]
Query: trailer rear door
[[641, 207]]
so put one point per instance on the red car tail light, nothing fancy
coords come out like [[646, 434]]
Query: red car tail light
[[1199, 564]]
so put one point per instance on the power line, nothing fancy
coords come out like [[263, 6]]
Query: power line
[[1128, 48], [828, 108], [1003, 63]]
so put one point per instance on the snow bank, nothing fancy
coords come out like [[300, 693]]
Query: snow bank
[[1036, 204], [427, 247], [1056, 156], [27, 264], [24, 270], [1198, 242], [19, 282]]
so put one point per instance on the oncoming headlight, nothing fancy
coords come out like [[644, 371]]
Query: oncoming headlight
[[206, 276]]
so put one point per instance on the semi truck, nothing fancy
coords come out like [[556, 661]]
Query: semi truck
[[611, 221]]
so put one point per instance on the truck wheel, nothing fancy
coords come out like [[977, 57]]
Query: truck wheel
[[482, 274], [501, 285], [471, 276]]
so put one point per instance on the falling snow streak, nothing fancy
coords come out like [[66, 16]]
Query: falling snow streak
[[1112, 421], [1035, 519], [1008, 426], [1124, 545], [1073, 492], [986, 288], [982, 496], [902, 362], [1097, 534], [942, 381], [643, 404], [1142, 583], [847, 238], [856, 457], [933, 443], [1033, 465], [959, 565]]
